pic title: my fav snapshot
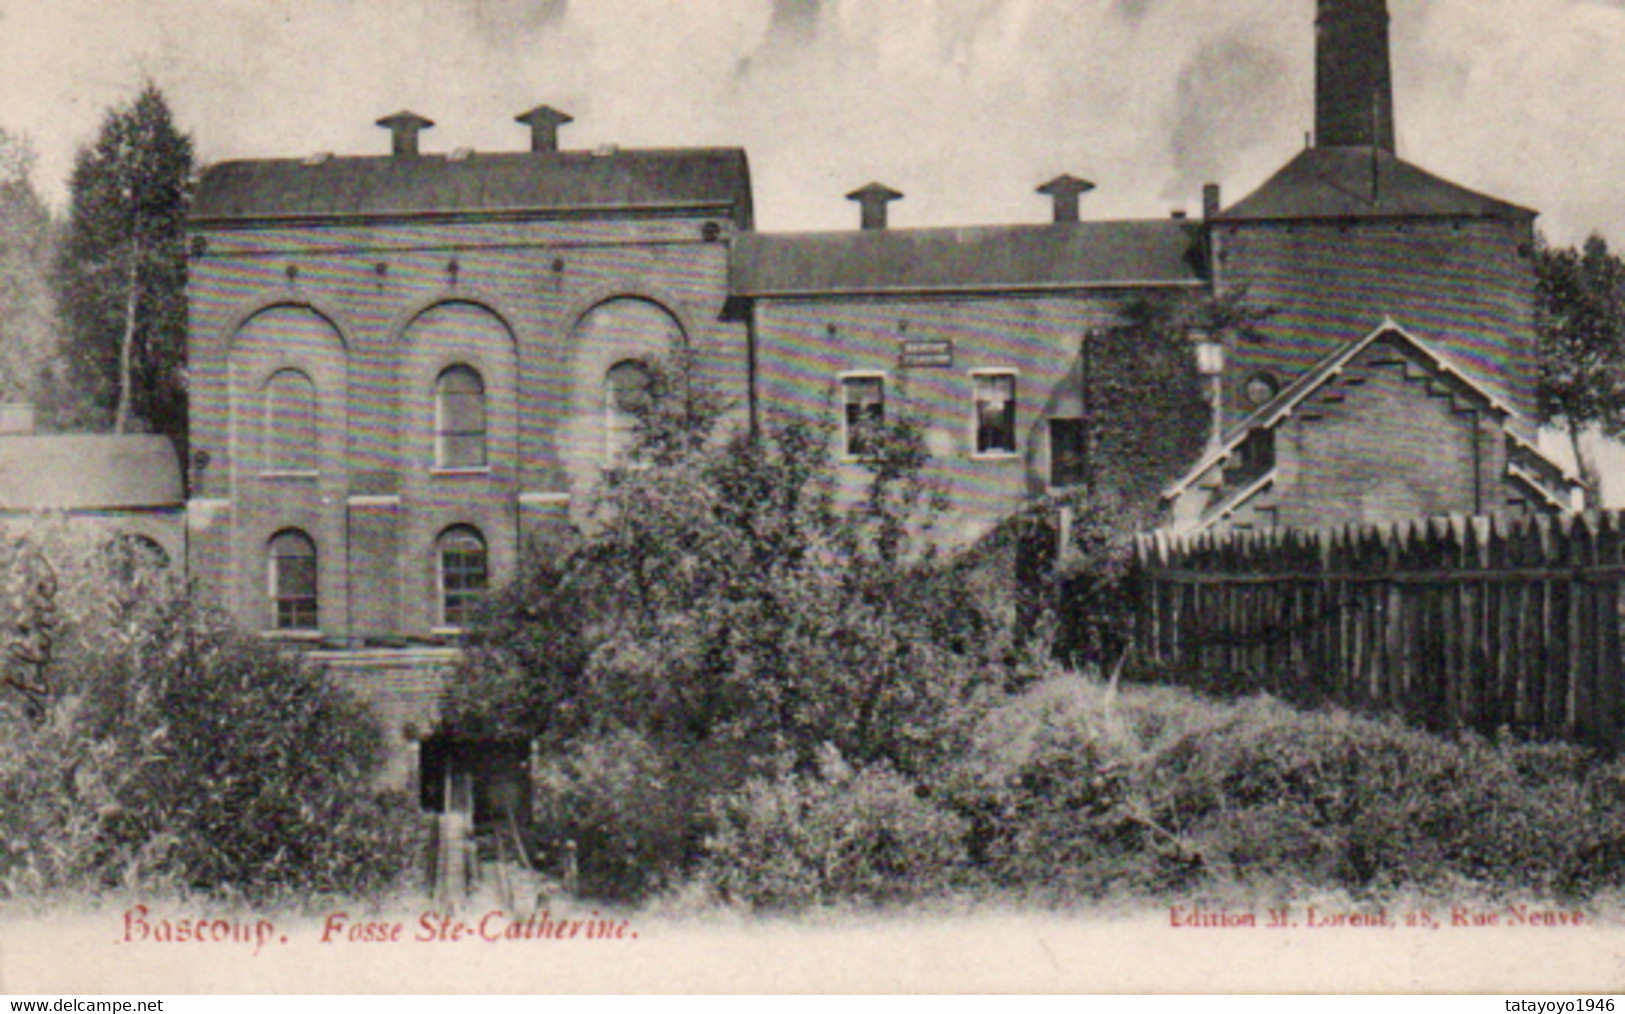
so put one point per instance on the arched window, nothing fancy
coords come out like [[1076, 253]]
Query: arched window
[[292, 574], [461, 559], [459, 418], [288, 433], [130, 556], [627, 397]]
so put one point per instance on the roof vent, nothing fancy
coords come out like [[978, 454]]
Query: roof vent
[[404, 128], [1065, 190], [544, 123], [873, 198], [606, 150], [318, 158], [460, 155]]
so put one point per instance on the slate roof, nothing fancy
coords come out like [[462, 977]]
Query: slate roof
[[1063, 255], [89, 472], [1337, 183], [280, 190]]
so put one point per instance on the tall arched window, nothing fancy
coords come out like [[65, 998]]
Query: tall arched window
[[627, 395], [461, 561], [459, 418], [288, 434], [292, 581]]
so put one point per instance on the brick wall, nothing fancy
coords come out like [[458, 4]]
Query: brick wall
[[372, 313], [1463, 285], [804, 345]]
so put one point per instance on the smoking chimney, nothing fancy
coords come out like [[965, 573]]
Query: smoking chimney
[[1354, 92], [1065, 190], [404, 127], [873, 199], [544, 123]]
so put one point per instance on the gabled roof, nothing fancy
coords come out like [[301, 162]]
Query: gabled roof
[[1063, 255], [1338, 183], [715, 180], [1287, 401], [89, 472]]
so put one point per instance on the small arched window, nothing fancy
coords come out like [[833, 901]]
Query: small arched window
[[292, 581], [463, 574], [459, 418], [628, 388], [288, 423], [130, 556]]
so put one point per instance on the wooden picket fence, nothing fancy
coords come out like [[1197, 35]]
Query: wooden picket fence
[[1464, 623]]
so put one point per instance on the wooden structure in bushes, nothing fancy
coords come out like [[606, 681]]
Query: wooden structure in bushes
[[1459, 623]]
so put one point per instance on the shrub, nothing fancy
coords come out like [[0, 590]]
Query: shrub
[[170, 751], [1053, 786], [1329, 798], [634, 807], [1075, 791], [837, 835]]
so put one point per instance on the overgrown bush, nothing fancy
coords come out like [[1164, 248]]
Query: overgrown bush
[[635, 807], [838, 834], [1077, 791], [168, 751], [1328, 798]]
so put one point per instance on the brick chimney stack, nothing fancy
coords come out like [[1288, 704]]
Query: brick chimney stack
[[404, 128], [1354, 92], [873, 199]]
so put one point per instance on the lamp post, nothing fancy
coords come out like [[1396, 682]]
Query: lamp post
[[1210, 365]]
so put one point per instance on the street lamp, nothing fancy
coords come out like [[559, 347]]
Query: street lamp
[[1210, 365]]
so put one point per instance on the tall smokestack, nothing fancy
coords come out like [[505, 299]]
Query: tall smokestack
[[1354, 91]]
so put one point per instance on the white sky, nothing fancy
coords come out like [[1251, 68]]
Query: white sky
[[964, 105]]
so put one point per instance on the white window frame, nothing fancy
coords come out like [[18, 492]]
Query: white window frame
[[273, 575], [444, 624], [1015, 418], [841, 403]]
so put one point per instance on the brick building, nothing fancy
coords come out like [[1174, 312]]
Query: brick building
[[402, 365]]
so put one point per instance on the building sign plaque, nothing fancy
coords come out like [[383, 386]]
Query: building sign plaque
[[923, 354]]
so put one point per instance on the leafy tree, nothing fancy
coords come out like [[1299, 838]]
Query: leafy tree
[[28, 324], [732, 606], [1580, 316], [122, 272]]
